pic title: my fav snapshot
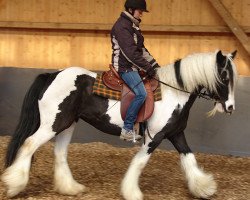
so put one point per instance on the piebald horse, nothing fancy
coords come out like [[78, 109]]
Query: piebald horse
[[56, 101]]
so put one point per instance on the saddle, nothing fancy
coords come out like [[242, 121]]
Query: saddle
[[113, 81]]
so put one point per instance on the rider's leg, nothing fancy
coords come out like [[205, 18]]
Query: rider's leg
[[134, 81]]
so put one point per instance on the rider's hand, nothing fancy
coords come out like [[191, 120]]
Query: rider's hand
[[156, 66], [151, 72]]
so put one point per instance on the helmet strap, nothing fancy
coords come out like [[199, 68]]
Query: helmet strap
[[131, 11]]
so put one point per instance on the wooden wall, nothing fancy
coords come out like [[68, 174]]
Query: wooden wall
[[60, 33]]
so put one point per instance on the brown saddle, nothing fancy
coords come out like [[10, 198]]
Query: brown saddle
[[113, 81]]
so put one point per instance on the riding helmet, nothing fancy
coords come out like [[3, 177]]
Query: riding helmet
[[136, 4]]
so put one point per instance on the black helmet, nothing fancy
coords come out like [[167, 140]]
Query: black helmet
[[136, 4]]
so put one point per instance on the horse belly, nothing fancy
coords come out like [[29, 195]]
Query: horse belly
[[114, 112]]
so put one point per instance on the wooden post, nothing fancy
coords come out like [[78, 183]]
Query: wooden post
[[232, 24]]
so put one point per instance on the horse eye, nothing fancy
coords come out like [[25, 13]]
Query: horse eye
[[225, 80], [224, 76]]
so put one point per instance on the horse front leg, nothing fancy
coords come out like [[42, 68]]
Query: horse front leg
[[130, 184], [200, 184]]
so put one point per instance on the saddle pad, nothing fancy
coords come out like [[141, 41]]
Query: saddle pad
[[101, 90]]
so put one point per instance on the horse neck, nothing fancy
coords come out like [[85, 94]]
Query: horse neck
[[171, 96], [196, 70], [168, 76]]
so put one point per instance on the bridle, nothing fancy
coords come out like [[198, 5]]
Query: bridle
[[205, 94], [201, 93]]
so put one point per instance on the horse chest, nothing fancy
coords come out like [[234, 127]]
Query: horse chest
[[165, 109]]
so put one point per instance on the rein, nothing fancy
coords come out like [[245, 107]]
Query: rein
[[203, 95]]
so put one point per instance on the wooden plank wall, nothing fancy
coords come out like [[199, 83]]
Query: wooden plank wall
[[59, 48]]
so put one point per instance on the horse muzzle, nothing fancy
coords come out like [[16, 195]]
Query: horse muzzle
[[229, 106], [229, 109], [224, 107], [219, 107]]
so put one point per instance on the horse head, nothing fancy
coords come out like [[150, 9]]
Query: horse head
[[224, 94]]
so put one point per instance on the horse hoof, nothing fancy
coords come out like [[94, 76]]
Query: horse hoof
[[203, 187], [73, 189], [131, 193], [15, 180], [134, 196]]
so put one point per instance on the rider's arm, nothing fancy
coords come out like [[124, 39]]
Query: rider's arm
[[125, 39]]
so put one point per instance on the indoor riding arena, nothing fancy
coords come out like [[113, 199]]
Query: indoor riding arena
[[47, 37]]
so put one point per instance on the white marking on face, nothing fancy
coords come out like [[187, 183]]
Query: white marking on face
[[230, 101]]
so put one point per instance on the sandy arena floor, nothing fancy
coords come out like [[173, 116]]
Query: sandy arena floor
[[101, 167]]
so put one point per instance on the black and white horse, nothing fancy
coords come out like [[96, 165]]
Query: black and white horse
[[56, 101]]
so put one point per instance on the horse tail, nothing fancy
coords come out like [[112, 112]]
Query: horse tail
[[29, 120]]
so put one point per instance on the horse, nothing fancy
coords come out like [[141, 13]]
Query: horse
[[56, 101]]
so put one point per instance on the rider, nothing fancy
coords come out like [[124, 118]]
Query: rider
[[130, 56]]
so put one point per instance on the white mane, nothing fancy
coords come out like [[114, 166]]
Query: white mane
[[196, 69]]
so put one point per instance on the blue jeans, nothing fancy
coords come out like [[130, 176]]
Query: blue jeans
[[134, 81]]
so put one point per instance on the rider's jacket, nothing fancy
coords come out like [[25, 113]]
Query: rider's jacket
[[129, 52]]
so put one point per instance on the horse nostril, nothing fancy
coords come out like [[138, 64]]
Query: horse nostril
[[230, 108]]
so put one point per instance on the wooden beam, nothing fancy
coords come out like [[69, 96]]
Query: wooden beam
[[107, 27], [190, 28], [185, 28], [51, 25], [232, 24]]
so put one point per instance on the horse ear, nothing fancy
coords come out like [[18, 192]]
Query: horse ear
[[233, 54], [220, 57]]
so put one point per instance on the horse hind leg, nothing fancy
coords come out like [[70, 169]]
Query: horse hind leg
[[200, 184], [63, 179], [16, 176]]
